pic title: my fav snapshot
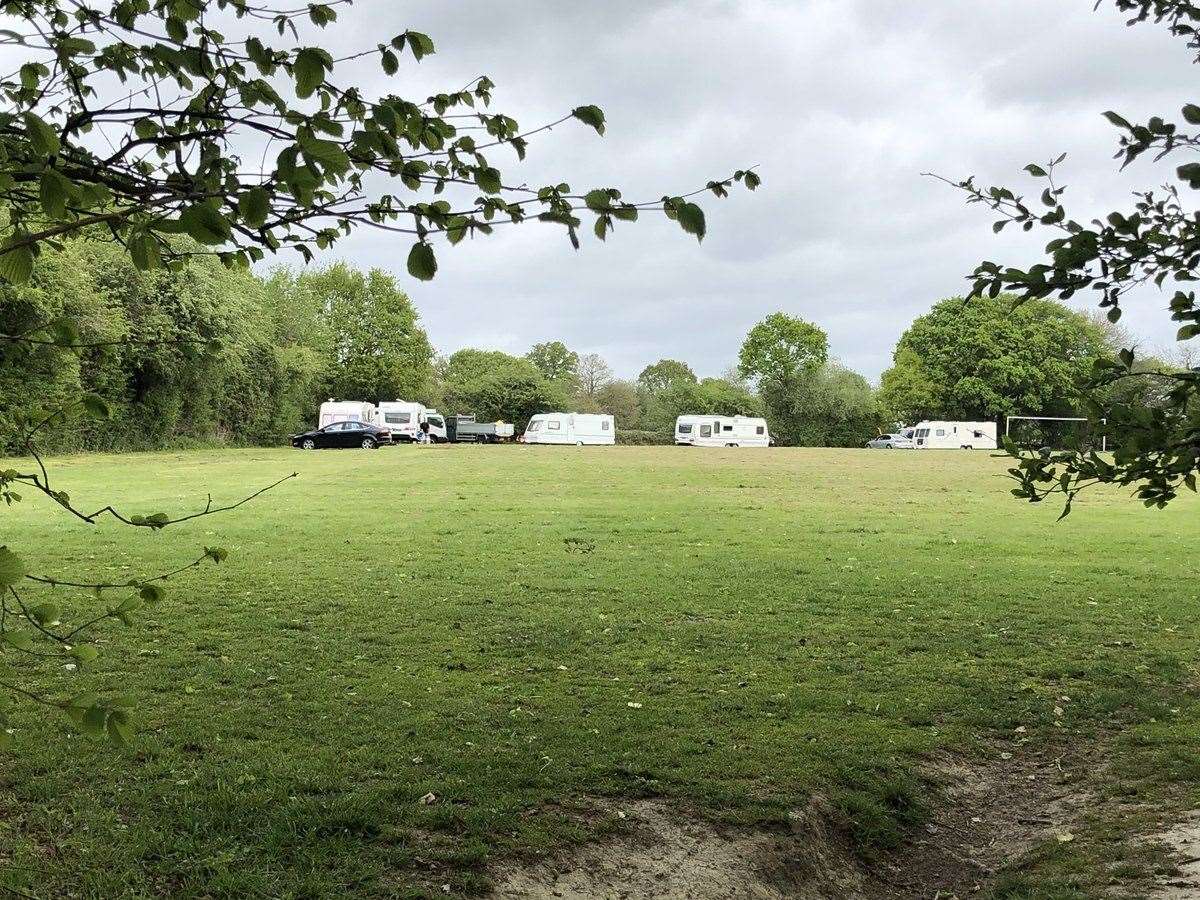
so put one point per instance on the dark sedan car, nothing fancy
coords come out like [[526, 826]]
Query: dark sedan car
[[343, 434]]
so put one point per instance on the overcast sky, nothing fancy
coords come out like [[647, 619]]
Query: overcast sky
[[841, 104]]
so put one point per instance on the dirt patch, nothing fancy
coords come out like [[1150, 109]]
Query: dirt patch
[[667, 851], [986, 812], [1183, 841]]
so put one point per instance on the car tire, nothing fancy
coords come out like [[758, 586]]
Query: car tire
[[579, 443], [369, 444], [308, 444]]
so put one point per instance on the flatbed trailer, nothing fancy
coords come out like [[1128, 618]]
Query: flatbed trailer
[[466, 430]]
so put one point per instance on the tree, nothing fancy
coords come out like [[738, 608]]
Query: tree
[[681, 397], [376, 349], [1158, 449], [594, 374], [620, 399], [829, 406], [247, 148], [555, 361], [200, 103], [779, 348], [659, 375], [992, 357]]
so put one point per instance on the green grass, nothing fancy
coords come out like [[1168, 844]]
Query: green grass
[[476, 622]]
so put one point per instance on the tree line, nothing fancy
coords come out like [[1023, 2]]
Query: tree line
[[203, 354]]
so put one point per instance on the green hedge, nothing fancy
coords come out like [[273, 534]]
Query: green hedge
[[644, 438]]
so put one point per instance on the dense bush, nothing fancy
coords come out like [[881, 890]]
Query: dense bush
[[644, 438]]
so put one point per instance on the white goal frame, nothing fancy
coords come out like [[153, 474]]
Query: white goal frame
[[1008, 420]]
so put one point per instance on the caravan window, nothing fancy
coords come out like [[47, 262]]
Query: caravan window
[[705, 431], [685, 429], [760, 430], [727, 428], [554, 426], [394, 418], [941, 432], [534, 426]]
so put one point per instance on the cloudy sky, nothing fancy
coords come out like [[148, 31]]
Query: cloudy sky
[[842, 104]]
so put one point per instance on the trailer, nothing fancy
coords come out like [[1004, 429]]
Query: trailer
[[955, 436], [722, 431], [464, 429], [571, 428], [345, 411], [402, 417]]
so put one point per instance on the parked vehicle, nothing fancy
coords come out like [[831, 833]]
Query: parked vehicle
[[348, 433], [571, 428], [437, 426], [955, 436], [897, 441], [402, 418], [464, 429], [722, 431], [345, 411]]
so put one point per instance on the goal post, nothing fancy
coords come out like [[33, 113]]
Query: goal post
[[1058, 431]]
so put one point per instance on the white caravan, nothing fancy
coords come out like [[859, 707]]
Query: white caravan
[[722, 431], [955, 436], [571, 428], [345, 411], [403, 418]]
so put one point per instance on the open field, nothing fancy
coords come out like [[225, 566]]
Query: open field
[[519, 629]]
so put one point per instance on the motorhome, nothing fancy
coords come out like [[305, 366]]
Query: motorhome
[[955, 436], [571, 428], [403, 418], [722, 431], [345, 411]]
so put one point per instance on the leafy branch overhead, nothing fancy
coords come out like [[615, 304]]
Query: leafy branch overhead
[[1156, 243], [248, 143]]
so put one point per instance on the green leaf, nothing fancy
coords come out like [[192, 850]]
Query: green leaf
[[590, 115], [420, 44], [309, 71], [95, 405], [53, 192], [691, 219], [120, 732], [598, 200], [488, 180], [12, 568], [143, 250], [1119, 121], [42, 137], [254, 206], [390, 64], [19, 639], [93, 720], [751, 180], [1191, 112], [456, 229], [1035, 170], [1187, 332], [151, 593], [16, 264], [85, 652], [205, 224], [44, 613], [422, 264]]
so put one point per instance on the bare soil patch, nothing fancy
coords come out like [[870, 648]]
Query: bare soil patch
[[988, 812]]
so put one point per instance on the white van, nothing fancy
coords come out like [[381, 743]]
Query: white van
[[345, 411], [955, 436], [403, 418], [722, 431], [571, 428]]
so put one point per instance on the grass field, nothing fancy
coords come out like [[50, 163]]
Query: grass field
[[513, 627]]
